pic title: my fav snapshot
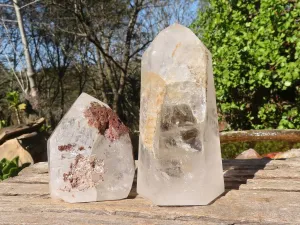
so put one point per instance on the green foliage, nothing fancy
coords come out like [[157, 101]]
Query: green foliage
[[231, 150], [13, 98], [45, 128], [10, 168], [2, 123], [256, 58]]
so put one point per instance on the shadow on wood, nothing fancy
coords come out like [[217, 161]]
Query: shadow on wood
[[238, 171]]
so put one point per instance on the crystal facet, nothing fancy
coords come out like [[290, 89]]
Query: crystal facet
[[90, 154], [179, 153]]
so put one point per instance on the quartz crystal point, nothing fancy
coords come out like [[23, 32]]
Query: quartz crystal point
[[179, 153], [90, 154]]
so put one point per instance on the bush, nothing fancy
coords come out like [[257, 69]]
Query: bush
[[256, 49]]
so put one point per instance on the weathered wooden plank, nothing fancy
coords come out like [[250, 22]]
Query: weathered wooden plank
[[41, 190], [42, 167], [30, 179], [235, 207], [38, 168], [79, 218], [248, 165], [234, 177], [278, 174], [240, 173], [25, 189], [269, 198], [286, 163], [272, 185], [260, 135], [265, 164], [61, 218], [260, 207], [264, 174], [38, 173], [247, 162]]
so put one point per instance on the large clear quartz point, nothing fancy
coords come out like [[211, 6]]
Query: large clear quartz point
[[179, 153], [90, 154]]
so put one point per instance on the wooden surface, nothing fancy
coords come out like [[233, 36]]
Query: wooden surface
[[257, 192], [291, 135]]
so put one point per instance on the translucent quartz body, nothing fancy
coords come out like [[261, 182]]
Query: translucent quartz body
[[179, 152]]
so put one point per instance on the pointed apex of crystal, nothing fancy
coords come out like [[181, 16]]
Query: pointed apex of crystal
[[179, 48], [179, 153], [177, 26], [90, 154]]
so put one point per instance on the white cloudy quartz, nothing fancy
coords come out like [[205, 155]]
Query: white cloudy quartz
[[90, 154]]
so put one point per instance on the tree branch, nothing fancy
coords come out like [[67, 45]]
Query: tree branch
[[6, 5], [140, 49], [29, 4]]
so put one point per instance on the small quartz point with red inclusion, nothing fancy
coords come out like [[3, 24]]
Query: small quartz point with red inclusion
[[90, 154]]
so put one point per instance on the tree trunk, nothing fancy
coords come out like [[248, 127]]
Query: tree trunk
[[101, 77], [126, 54], [62, 98], [17, 115], [32, 89]]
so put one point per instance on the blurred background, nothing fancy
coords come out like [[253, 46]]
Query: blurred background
[[52, 50]]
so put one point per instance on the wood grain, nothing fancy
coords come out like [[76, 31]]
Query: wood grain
[[258, 192]]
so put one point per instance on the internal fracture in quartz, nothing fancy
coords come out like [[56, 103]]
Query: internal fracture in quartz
[[179, 153], [90, 154]]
